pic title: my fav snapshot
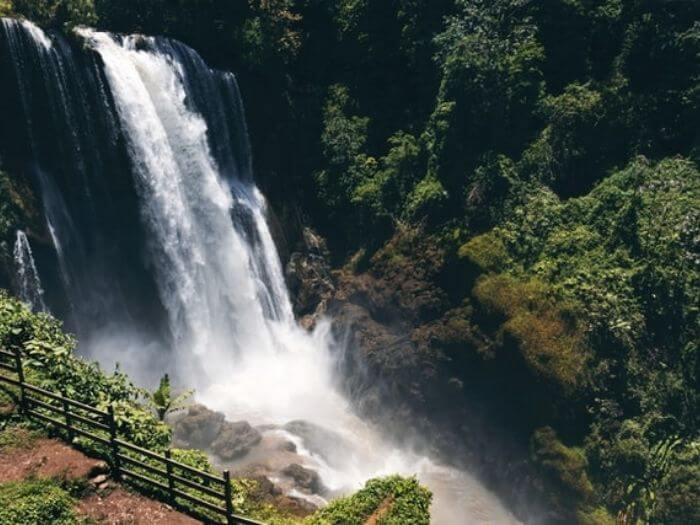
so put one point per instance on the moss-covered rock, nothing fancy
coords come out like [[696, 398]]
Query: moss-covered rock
[[544, 329]]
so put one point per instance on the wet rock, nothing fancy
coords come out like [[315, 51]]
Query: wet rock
[[306, 479], [198, 428], [288, 446], [309, 278], [330, 445], [235, 440]]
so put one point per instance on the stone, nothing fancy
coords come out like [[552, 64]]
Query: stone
[[98, 480], [101, 467], [198, 428], [288, 446], [331, 446], [304, 478], [235, 440]]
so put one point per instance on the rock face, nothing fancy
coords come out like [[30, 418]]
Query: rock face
[[419, 358], [235, 440], [309, 278]]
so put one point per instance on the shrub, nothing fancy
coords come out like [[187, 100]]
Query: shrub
[[36, 502], [487, 252], [678, 493], [405, 499], [566, 465], [426, 199]]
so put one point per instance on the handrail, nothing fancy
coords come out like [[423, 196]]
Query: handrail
[[30, 405]]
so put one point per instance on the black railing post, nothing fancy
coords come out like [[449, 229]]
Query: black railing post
[[171, 480], [113, 443], [69, 420], [229, 497], [20, 377]]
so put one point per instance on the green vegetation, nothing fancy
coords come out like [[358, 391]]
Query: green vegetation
[[530, 167], [36, 502], [545, 332], [51, 364], [406, 502], [16, 437], [163, 403]]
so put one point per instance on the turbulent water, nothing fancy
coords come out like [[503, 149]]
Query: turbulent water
[[28, 285], [163, 254]]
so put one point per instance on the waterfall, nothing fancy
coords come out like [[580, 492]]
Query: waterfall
[[29, 288], [141, 156]]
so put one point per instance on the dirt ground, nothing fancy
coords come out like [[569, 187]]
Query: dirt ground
[[118, 506], [105, 501]]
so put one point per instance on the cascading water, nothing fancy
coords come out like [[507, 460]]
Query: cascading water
[[167, 223], [29, 288]]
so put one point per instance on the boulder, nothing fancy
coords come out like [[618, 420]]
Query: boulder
[[198, 428], [304, 478], [331, 446], [235, 440]]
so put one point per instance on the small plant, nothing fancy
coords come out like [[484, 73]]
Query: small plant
[[163, 403]]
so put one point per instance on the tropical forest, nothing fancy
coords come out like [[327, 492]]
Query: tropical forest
[[350, 262]]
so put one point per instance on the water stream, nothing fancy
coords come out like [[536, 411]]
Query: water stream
[[29, 288]]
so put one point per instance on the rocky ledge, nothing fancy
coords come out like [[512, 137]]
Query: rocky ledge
[[269, 454]]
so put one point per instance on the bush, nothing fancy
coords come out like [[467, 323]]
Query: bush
[[577, 144], [404, 500], [57, 12], [36, 502], [487, 252], [426, 199], [566, 465], [50, 363], [678, 493]]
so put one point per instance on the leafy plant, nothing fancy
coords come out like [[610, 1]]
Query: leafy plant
[[36, 502], [162, 401]]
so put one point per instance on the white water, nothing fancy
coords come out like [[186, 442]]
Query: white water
[[220, 280], [29, 288]]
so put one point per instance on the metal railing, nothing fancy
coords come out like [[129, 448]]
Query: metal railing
[[160, 475]]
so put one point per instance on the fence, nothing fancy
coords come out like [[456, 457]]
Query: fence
[[79, 419]]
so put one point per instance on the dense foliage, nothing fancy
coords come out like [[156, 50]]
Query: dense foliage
[[392, 501], [545, 154], [36, 502]]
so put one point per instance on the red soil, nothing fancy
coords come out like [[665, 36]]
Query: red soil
[[122, 507], [107, 503], [47, 458]]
